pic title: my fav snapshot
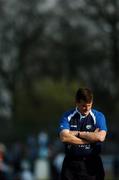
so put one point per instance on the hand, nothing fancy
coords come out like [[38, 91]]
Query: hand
[[97, 130], [75, 133]]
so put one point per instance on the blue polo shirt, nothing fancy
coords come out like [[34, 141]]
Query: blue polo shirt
[[74, 121]]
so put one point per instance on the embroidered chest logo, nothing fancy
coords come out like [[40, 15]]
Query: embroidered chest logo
[[88, 126]]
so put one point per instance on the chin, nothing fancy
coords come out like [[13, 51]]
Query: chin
[[85, 113]]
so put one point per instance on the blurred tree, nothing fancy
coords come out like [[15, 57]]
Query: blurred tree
[[104, 17], [15, 16], [62, 40]]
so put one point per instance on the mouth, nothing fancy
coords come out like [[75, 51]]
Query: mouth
[[85, 112]]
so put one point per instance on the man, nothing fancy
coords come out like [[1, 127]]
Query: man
[[82, 130]]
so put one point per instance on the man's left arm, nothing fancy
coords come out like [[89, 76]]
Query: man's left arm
[[96, 136]]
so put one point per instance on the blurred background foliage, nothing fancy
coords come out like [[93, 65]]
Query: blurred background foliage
[[48, 48], [44, 106]]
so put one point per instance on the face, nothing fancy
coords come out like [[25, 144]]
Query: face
[[84, 107]]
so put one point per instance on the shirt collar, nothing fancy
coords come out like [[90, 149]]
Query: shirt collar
[[81, 116]]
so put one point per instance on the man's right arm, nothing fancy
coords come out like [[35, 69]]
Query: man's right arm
[[67, 136]]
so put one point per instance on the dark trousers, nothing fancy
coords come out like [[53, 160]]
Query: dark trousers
[[83, 168]]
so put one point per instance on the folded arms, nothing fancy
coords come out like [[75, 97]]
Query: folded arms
[[82, 137]]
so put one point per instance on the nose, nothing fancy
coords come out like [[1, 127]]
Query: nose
[[85, 108]]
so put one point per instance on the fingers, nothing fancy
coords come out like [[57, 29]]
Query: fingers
[[97, 130]]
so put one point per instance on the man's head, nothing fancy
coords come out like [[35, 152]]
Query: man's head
[[84, 100]]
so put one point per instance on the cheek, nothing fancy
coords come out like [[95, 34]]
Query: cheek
[[89, 108]]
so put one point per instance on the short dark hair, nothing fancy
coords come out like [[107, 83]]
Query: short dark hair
[[84, 94]]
